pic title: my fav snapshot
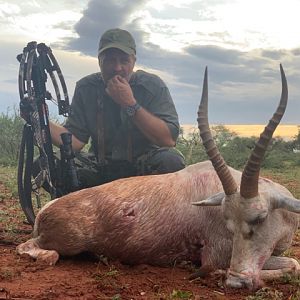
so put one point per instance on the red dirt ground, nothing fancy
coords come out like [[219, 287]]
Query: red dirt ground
[[85, 277]]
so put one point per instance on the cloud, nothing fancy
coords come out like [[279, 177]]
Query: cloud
[[97, 18], [244, 86], [239, 81]]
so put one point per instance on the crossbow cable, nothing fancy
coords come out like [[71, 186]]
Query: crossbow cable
[[35, 61]]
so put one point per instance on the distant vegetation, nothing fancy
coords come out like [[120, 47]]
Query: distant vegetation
[[235, 149], [11, 126]]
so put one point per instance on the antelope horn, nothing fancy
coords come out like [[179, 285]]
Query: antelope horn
[[249, 181], [227, 180]]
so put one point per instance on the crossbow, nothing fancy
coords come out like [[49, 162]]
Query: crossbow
[[57, 176]]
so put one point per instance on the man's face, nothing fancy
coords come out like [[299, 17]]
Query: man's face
[[116, 62]]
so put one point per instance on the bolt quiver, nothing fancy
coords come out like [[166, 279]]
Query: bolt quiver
[[38, 167]]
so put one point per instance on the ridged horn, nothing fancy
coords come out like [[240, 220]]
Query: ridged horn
[[249, 182], [227, 180]]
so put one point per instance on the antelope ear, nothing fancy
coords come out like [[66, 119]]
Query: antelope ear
[[214, 200], [287, 203]]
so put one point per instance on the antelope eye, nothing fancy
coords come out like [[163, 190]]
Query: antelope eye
[[257, 220]]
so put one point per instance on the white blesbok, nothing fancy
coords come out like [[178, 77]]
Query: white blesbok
[[261, 216], [151, 219]]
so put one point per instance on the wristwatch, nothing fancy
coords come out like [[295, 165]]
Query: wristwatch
[[132, 109]]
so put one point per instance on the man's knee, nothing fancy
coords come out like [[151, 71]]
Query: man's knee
[[166, 161]]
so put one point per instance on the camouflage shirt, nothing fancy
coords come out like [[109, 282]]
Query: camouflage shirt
[[149, 91]]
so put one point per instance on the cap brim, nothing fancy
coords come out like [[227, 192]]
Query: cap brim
[[127, 50]]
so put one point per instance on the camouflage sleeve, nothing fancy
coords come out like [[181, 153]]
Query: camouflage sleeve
[[76, 123]]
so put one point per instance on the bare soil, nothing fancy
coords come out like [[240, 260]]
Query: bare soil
[[87, 277]]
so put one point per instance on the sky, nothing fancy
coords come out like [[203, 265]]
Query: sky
[[241, 42]]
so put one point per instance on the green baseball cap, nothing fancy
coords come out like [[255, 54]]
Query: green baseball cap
[[117, 38]]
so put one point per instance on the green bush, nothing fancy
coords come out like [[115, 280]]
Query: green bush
[[191, 147], [11, 126], [236, 150]]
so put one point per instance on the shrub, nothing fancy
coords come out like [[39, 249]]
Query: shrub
[[10, 137], [236, 150]]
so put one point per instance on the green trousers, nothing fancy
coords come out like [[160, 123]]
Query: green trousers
[[158, 161]]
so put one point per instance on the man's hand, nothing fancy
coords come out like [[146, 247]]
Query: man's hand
[[56, 130], [151, 126], [120, 91]]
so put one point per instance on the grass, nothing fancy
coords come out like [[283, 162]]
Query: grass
[[178, 294], [266, 294], [290, 279], [175, 295], [295, 296], [10, 220], [8, 176], [11, 215], [290, 178], [112, 272], [284, 131], [8, 274]]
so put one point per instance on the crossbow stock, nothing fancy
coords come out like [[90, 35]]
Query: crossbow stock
[[58, 177]]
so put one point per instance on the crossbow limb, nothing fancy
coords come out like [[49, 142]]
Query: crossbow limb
[[36, 61]]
